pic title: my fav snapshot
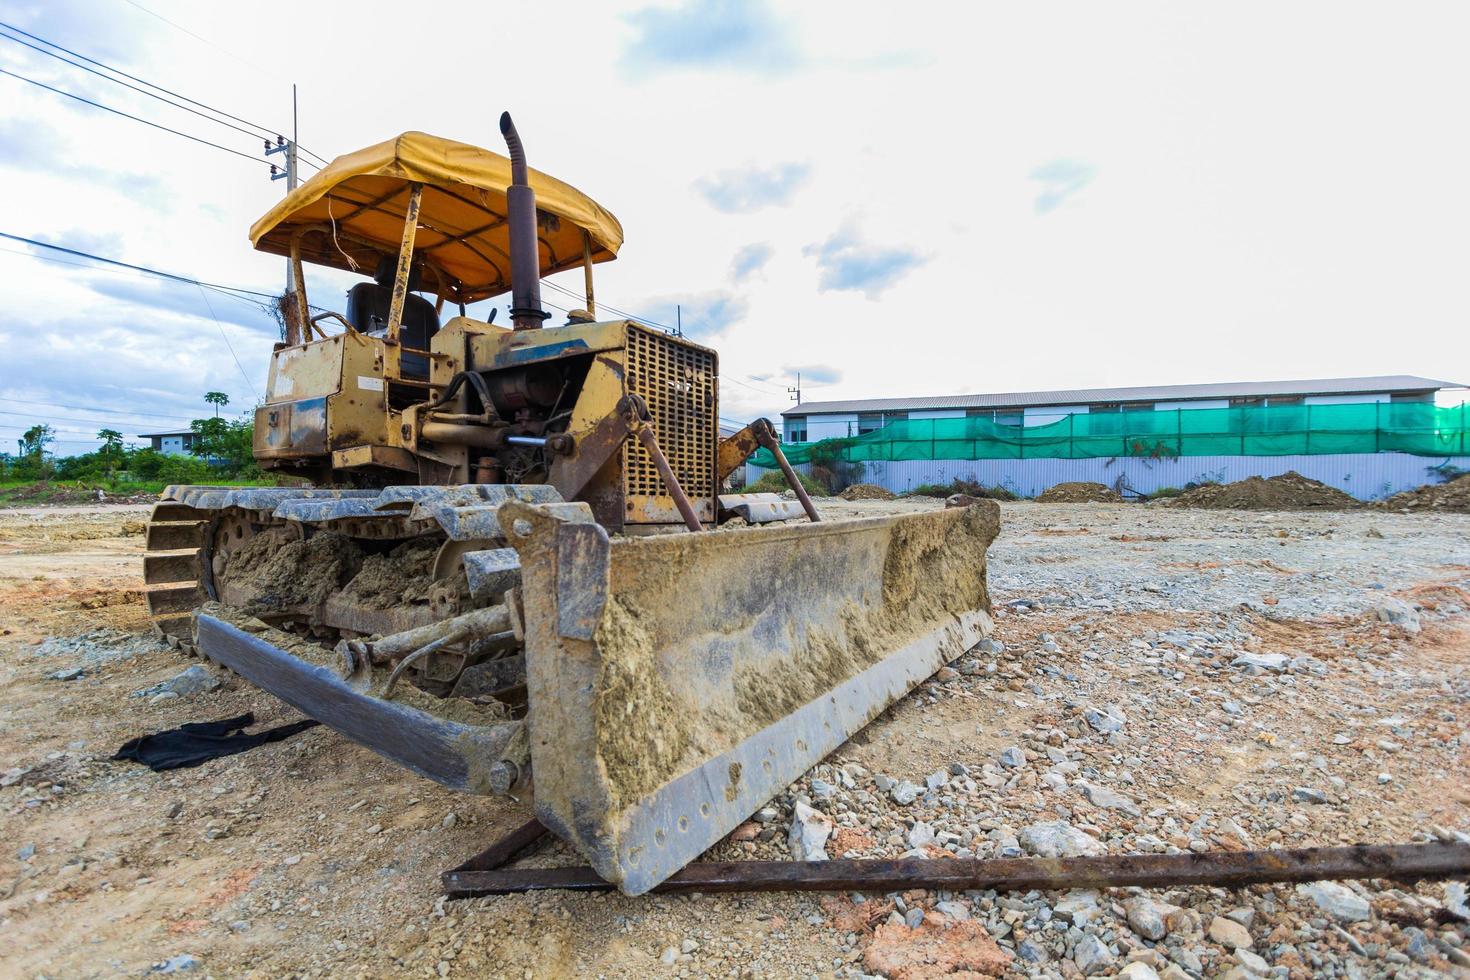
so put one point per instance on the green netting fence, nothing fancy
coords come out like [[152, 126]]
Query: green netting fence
[[1248, 430]]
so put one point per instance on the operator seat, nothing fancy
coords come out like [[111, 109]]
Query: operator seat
[[368, 304]]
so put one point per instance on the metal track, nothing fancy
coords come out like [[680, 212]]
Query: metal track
[[173, 569]]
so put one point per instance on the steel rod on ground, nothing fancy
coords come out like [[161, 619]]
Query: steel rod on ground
[[1403, 862]]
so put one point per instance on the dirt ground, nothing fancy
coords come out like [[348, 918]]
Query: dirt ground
[[313, 857]]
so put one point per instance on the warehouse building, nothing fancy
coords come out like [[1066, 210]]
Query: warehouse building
[[1368, 436]]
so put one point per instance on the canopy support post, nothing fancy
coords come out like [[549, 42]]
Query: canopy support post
[[405, 262], [298, 332], [587, 272]]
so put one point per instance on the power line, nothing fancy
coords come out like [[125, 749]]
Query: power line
[[96, 408], [135, 88], [264, 131], [197, 37], [128, 115], [226, 339], [60, 418], [136, 268]]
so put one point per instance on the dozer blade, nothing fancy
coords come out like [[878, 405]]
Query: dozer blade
[[678, 682]]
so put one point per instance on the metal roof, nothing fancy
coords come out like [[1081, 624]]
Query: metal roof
[[1391, 383]]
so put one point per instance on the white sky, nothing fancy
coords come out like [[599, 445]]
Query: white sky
[[953, 198]]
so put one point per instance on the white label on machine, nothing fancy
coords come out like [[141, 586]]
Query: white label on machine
[[369, 384]]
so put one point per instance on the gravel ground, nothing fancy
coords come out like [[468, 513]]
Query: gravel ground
[[1160, 680]]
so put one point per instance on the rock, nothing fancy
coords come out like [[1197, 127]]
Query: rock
[[1305, 794], [689, 946], [1338, 901], [1454, 901], [193, 680], [1055, 781], [12, 776], [766, 814], [913, 918], [905, 792], [1229, 933], [1093, 956], [1032, 953], [1144, 918], [1107, 799], [1265, 661], [450, 819], [937, 779], [809, 832], [1013, 757], [175, 964], [749, 830], [954, 910], [1105, 720], [669, 956], [1078, 907], [1397, 612], [822, 789], [1138, 971], [920, 834], [1057, 838], [26, 852], [1252, 962], [67, 674], [896, 950]]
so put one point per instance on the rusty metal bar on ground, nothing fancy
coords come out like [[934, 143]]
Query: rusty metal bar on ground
[[766, 436], [1219, 869], [504, 850]]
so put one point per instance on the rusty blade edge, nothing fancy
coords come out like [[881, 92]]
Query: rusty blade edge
[[1402, 862]]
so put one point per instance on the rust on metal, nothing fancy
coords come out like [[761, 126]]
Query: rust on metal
[[503, 851], [1217, 869], [734, 451], [671, 482], [405, 262], [766, 436]]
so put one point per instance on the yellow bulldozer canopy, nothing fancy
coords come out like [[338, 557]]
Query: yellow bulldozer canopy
[[351, 213]]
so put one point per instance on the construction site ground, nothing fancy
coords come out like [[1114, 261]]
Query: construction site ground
[[1160, 679]]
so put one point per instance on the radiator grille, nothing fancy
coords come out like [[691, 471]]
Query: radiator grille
[[678, 382]]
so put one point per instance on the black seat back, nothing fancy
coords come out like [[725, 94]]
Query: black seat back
[[368, 305]]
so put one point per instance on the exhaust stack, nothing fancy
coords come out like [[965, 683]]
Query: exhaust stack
[[525, 258]]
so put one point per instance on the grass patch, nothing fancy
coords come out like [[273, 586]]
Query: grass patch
[[30, 493], [774, 482], [968, 487]]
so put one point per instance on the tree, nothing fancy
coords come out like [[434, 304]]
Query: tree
[[35, 440], [216, 398], [33, 463], [112, 443]]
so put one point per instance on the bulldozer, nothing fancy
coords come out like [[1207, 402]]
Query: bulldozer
[[508, 562]]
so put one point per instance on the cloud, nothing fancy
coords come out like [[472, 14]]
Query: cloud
[[703, 314], [744, 191], [711, 34], [815, 373], [750, 260], [846, 262], [186, 300], [108, 244], [32, 146], [1060, 179]]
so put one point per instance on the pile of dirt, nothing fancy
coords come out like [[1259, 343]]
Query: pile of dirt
[[866, 491], [1289, 491], [278, 571], [402, 577], [1452, 496], [1081, 492]]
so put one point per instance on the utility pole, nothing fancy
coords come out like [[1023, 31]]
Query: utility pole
[[288, 147], [795, 393], [678, 320]]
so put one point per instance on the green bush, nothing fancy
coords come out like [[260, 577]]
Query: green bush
[[775, 483], [1163, 492]]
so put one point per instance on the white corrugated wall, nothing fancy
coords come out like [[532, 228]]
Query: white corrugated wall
[[1367, 476]]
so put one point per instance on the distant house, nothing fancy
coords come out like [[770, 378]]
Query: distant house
[[814, 421], [176, 443], [1368, 436]]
